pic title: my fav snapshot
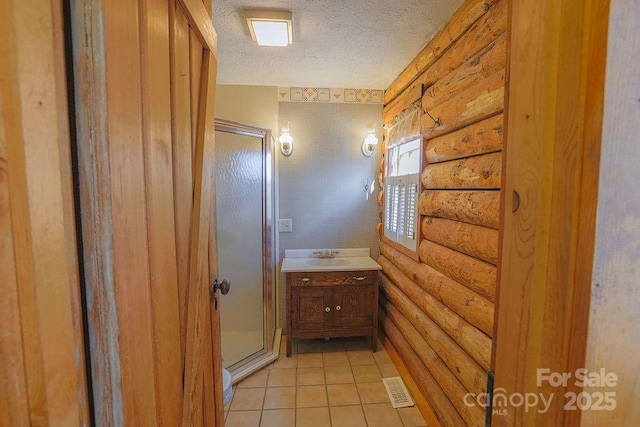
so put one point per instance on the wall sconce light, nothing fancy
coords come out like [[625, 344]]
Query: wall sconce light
[[369, 143], [286, 141]]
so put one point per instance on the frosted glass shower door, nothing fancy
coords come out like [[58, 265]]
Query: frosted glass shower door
[[240, 215]]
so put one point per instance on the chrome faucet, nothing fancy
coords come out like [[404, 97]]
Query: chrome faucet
[[325, 254]]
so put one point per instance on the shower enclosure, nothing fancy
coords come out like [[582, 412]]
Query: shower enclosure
[[244, 219]]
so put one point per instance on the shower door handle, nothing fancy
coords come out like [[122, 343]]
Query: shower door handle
[[224, 286]]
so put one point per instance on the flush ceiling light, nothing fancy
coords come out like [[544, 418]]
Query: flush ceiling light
[[269, 27]]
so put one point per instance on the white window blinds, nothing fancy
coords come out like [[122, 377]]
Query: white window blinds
[[401, 209]]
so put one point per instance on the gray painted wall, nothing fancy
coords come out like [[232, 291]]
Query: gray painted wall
[[321, 185]]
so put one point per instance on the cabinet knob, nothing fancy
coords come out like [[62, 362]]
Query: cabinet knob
[[338, 308], [358, 278], [305, 279], [327, 309]]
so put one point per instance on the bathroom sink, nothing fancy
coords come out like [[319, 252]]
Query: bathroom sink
[[328, 262], [347, 259]]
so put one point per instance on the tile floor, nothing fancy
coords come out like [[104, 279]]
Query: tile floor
[[324, 383]]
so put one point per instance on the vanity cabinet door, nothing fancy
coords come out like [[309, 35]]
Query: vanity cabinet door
[[352, 306], [309, 308], [332, 304]]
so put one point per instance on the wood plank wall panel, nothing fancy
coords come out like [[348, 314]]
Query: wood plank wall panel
[[130, 233], [42, 377], [158, 171], [438, 310], [95, 205]]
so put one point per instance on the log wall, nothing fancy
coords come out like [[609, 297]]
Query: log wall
[[437, 308]]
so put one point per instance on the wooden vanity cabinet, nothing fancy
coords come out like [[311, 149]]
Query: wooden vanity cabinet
[[332, 304]]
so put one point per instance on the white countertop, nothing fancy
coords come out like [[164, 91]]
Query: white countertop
[[350, 259]]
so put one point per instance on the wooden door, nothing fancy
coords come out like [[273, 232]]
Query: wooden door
[[144, 94], [193, 48]]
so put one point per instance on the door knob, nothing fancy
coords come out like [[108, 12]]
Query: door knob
[[224, 286]]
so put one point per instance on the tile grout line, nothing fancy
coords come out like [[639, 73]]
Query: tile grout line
[[323, 350]]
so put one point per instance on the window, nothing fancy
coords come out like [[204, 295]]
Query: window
[[402, 189]]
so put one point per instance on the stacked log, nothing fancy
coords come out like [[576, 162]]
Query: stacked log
[[477, 275], [473, 207], [437, 305]]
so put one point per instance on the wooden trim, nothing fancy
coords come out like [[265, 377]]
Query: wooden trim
[[195, 70], [201, 22], [553, 67], [181, 113]]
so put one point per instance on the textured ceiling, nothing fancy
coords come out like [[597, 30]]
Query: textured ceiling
[[340, 43]]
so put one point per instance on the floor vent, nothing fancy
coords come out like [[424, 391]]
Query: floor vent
[[398, 393]]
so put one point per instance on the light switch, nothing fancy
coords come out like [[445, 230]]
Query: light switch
[[285, 225]]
